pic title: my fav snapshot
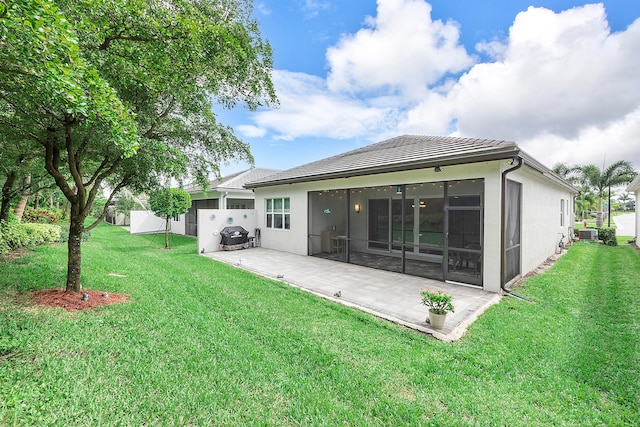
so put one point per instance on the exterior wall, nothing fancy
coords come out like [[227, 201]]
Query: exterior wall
[[295, 240], [634, 188], [540, 212], [637, 195], [212, 221], [541, 223], [147, 222]]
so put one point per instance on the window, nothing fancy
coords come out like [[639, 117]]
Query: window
[[278, 213], [561, 212]]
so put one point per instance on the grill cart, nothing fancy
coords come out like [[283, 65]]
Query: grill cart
[[233, 238]]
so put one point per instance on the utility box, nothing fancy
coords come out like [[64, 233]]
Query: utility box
[[588, 234]]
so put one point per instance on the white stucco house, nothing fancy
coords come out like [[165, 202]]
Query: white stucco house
[[468, 211], [634, 188], [226, 193], [224, 201]]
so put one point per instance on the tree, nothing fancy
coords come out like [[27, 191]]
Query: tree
[[169, 203], [585, 203], [601, 181], [567, 172], [624, 198], [123, 96]]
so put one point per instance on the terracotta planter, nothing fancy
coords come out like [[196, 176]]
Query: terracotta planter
[[437, 320]]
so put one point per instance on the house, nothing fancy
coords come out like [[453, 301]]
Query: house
[[472, 212], [225, 193], [634, 188]]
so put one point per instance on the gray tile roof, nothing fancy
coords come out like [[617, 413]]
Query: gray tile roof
[[400, 153], [635, 184], [234, 181]]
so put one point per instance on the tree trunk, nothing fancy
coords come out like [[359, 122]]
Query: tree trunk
[[22, 203], [65, 210], [599, 219], [166, 233], [74, 262], [6, 196]]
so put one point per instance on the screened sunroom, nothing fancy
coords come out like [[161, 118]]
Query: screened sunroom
[[428, 229]]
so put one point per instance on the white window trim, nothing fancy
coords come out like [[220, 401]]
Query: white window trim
[[272, 213]]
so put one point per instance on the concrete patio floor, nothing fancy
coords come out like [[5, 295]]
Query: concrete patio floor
[[391, 296]]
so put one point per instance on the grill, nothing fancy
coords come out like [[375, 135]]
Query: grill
[[233, 238]]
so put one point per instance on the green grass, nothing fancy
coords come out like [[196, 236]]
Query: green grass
[[202, 343]]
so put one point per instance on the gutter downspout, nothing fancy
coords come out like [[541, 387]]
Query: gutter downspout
[[503, 217]]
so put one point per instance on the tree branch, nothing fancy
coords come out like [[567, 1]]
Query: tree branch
[[97, 171], [165, 113], [52, 163], [8, 69], [106, 205], [26, 132], [74, 168]]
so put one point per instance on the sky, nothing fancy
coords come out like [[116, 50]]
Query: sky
[[560, 78]]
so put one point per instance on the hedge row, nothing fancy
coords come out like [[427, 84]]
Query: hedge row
[[15, 234]]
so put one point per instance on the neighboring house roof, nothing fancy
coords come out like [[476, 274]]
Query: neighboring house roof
[[402, 153], [635, 185], [234, 181]]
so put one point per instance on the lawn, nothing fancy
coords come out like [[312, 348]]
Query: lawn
[[202, 343]]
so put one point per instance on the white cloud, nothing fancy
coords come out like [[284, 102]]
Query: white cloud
[[560, 73], [401, 49], [560, 80], [308, 108], [312, 8], [561, 84], [592, 145], [263, 9], [251, 131]]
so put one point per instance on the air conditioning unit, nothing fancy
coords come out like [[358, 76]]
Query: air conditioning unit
[[588, 234]]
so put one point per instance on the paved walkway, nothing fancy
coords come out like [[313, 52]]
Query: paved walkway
[[392, 296]]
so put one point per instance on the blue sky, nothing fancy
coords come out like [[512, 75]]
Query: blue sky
[[558, 77]]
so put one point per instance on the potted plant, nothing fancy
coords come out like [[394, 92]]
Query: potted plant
[[439, 305]]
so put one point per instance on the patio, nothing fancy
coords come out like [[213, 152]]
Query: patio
[[388, 295]]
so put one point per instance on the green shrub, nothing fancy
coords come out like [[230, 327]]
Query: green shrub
[[15, 234], [42, 216], [608, 236]]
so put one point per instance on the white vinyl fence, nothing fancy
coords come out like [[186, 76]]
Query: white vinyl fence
[[146, 222]]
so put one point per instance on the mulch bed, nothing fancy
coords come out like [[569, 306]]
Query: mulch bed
[[72, 301]]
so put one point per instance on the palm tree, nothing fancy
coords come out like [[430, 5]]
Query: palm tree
[[568, 173], [624, 199], [585, 203], [601, 181]]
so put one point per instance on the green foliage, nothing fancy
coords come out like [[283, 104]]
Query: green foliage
[[169, 202], [98, 206], [608, 236], [125, 203], [43, 66], [438, 302], [42, 216], [15, 235]]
